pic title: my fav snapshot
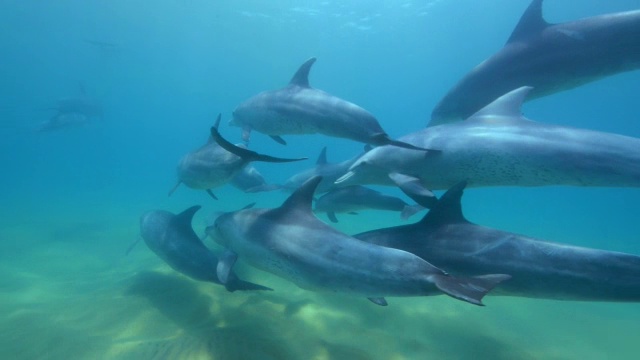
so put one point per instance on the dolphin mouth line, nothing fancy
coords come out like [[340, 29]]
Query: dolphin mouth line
[[344, 177]]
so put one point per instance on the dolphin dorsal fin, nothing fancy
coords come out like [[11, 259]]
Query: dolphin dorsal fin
[[448, 209], [508, 105], [182, 221], [531, 23], [302, 198], [301, 77], [322, 158]]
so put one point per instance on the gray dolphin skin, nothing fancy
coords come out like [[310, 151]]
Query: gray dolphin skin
[[300, 109], [171, 237], [250, 180], [330, 172], [539, 269], [292, 243], [549, 57], [497, 146], [353, 198], [216, 163]]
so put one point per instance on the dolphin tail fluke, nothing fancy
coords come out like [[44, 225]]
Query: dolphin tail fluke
[[410, 210], [246, 154], [469, 289]]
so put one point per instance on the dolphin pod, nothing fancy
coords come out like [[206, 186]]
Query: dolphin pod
[[290, 242], [548, 57]]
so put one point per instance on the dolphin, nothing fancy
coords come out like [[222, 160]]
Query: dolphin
[[72, 112], [300, 109], [216, 163], [290, 242], [539, 269], [250, 180], [549, 57], [171, 237], [352, 198], [330, 172], [497, 146]]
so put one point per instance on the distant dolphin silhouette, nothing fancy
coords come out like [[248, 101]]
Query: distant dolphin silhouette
[[548, 57], [290, 242], [300, 109], [539, 269]]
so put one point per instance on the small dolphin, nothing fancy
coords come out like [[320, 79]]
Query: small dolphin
[[171, 238], [549, 57], [350, 199], [72, 112], [250, 180], [497, 146], [216, 163], [300, 109], [539, 269], [330, 172], [292, 243]]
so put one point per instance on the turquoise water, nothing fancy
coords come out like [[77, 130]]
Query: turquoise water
[[71, 200]]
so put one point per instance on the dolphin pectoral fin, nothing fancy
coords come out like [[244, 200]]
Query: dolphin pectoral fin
[[211, 194], [409, 210], [414, 189], [132, 246], [173, 189], [378, 301], [471, 289], [225, 264], [384, 139], [332, 216], [278, 139]]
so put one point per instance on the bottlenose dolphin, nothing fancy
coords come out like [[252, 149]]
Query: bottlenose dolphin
[[171, 238], [539, 269], [72, 112], [250, 180], [330, 172], [292, 243], [216, 163], [350, 199], [300, 109], [497, 146], [549, 57]]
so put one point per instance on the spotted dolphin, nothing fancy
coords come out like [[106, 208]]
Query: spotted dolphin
[[350, 199], [290, 242], [549, 57], [216, 163], [300, 109], [539, 269], [498, 146], [172, 238]]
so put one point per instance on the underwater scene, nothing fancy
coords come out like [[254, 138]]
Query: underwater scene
[[436, 179]]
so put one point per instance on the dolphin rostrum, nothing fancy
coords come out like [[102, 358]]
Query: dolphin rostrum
[[539, 269], [290, 242], [350, 199], [549, 57], [300, 109], [497, 146], [171, 238], [216, 163]]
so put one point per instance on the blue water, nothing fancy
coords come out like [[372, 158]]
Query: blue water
[[71, 200]]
